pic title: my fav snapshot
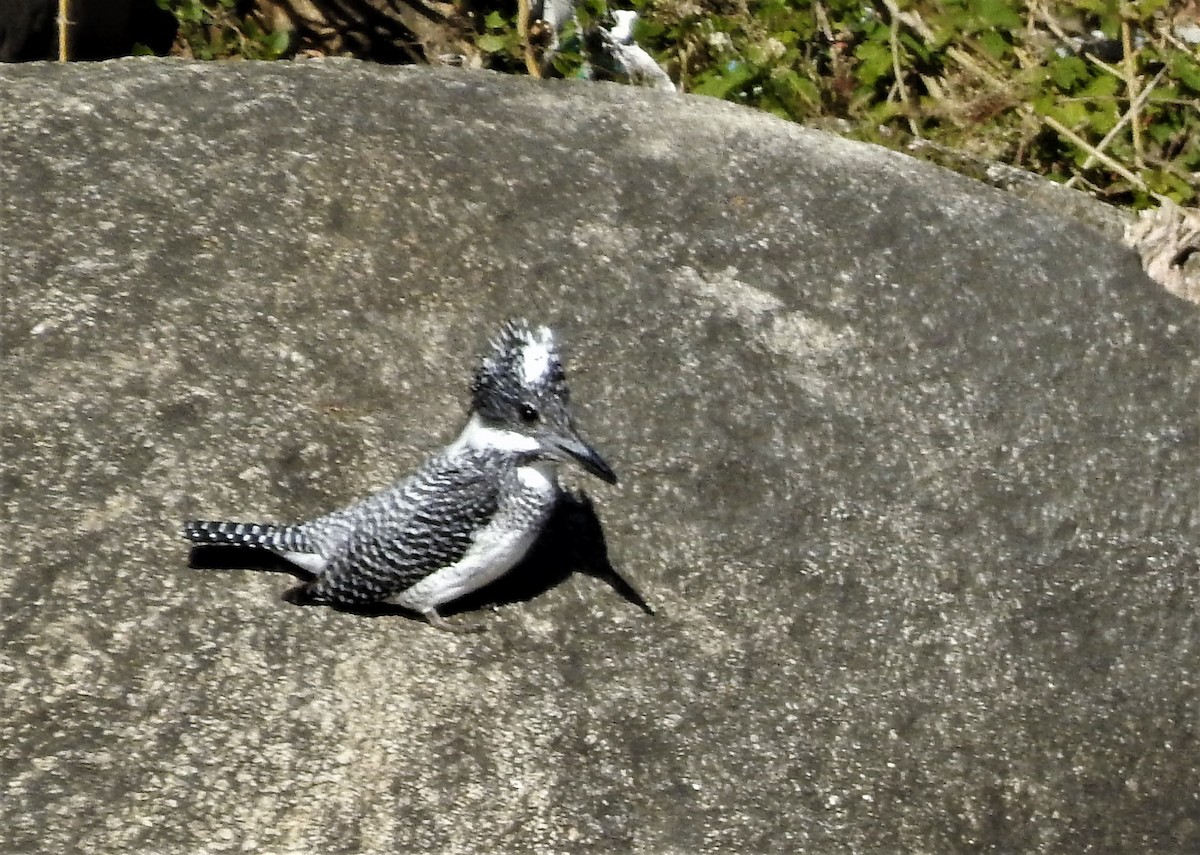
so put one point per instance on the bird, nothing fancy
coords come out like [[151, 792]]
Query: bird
[[465, 517], [611, 52]]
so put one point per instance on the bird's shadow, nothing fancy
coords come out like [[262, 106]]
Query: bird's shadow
[[571, 541]]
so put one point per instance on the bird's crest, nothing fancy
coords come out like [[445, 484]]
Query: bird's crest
[[521, 361]]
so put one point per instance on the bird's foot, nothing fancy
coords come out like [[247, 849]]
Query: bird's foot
[[436, 620]]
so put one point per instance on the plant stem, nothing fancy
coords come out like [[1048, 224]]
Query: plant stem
[[63, 25]]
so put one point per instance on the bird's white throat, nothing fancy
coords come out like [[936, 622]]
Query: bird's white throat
[[480, 436]]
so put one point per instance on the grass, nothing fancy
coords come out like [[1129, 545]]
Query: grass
[[999, 79], [1004, 80]]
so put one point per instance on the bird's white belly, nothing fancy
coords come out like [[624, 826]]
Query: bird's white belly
[[314, 564], [492, 555], [497, 548]]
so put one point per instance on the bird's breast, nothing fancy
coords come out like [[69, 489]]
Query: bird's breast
[[539, 477]]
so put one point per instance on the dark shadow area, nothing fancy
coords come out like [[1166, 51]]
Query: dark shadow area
[[220, 557], [572, 541], [370, 29], [26, 30], [99, 29], [152, 27], [233, 557]]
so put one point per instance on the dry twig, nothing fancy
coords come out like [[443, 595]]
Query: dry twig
[[1131, 86], [63, 24], [914, 20], [898, 73], [1133, 111]]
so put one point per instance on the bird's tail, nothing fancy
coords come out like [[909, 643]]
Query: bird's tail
[[276, 538]]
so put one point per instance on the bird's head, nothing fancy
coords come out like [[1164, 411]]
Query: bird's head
[[520, 400]]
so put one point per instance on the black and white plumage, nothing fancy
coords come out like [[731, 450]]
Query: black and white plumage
[[613, 50], [610, 52], [466, 516]]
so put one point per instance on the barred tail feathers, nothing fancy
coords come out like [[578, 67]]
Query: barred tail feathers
[[276, 538]]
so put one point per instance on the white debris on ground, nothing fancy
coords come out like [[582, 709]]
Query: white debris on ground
[[1168, 240]]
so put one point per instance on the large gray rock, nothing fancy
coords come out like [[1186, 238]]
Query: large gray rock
[[908, 469]]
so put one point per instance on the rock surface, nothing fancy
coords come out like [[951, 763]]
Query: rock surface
[[908, 470]]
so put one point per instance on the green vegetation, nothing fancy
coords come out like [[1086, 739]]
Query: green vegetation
[[1002, 80], [223, 29]]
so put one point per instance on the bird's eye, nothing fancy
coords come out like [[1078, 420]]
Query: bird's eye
[[528, 414]]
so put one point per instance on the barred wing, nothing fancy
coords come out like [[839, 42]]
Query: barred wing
[[398, 537]]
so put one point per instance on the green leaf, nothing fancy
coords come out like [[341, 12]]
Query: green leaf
[[1035, 76], [1160, 133], [492, 43], [884, 112], [1101, 120], [723, 85], [996, 13], [495, 21], [1165, 94], [1184, 69], [650, 30], [916, 47], [278, 41], [1066, 71], [791, 86], [875, 60], [1070, 113], [994, 44], [1169, 184], [1103, 86]]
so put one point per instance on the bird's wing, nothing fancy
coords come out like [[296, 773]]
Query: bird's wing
[[400, 536], [640, 67]]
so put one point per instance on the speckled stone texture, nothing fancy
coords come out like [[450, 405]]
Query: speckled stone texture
[[909, 470]]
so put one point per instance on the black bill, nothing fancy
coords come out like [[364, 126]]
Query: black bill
[[587, 457]]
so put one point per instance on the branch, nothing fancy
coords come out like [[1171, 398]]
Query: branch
[[63, 24]]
